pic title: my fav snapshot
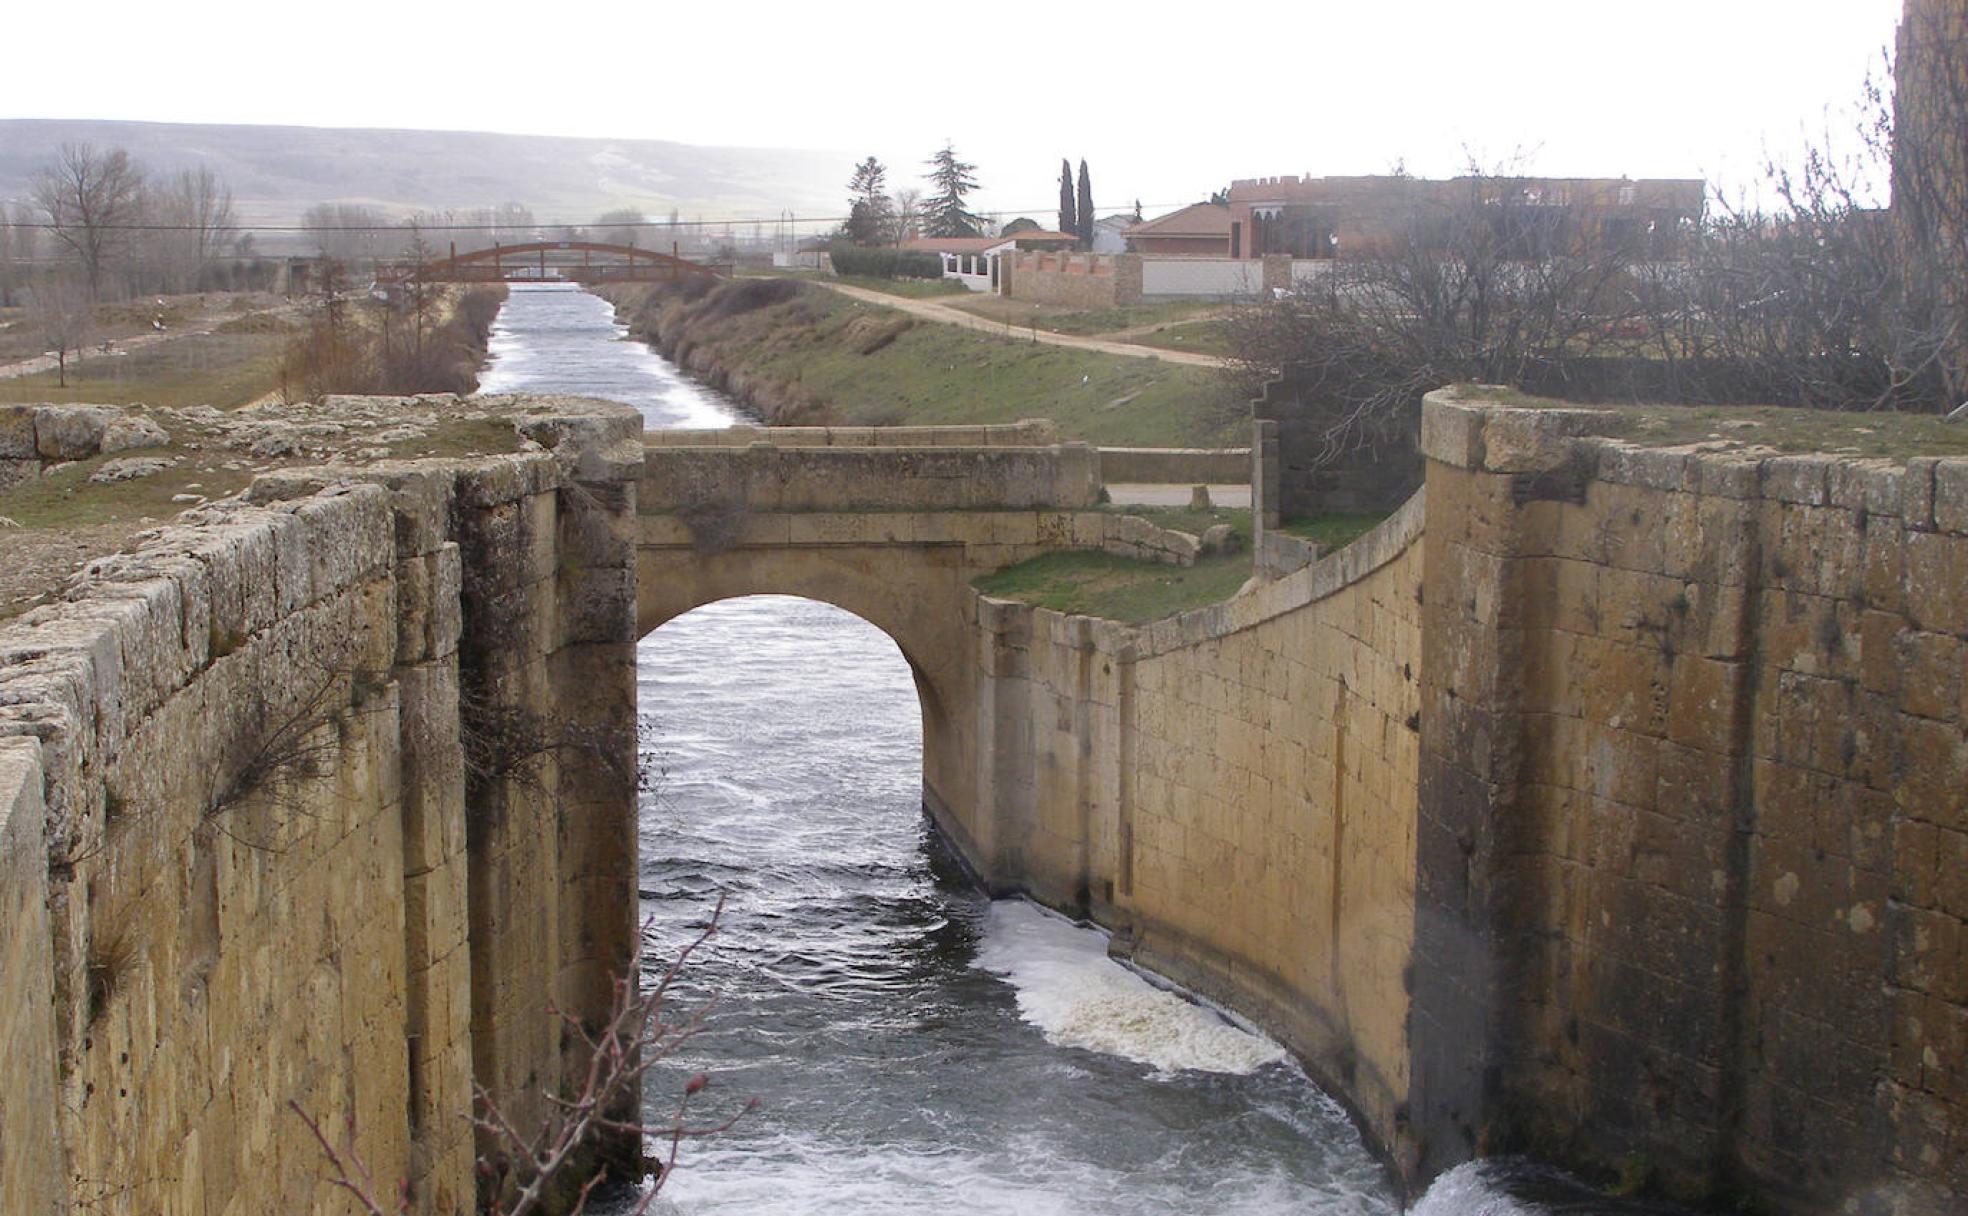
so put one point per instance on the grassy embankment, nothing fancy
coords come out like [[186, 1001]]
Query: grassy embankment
[[1184, 324], [801, 355]]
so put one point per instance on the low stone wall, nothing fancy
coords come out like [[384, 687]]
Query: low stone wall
[[1076, 280], [1039, 432], [266, 878], [1232, 792], [1175, 466], [763, 477]]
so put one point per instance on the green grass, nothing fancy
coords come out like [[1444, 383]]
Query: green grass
[[1131, 590], [1123, 589], [1334, 531], [218, 369], [943, 374]]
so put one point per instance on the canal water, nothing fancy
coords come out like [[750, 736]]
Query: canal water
[[914, 1047]]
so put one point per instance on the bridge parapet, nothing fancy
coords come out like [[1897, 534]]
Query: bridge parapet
[[811, 473], [1032, 432]]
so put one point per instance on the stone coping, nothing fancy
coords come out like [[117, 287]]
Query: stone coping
[[1570, 444]]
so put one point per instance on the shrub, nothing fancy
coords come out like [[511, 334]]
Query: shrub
[[881, 263]]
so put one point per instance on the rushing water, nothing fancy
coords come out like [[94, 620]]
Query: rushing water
[[914, 1046]]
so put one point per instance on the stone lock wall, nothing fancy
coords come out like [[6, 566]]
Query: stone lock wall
[[1232, 791], [1694, 789], [232, 767]]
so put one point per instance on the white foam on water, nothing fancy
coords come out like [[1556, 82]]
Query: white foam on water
[[1467, 1191], [1078, 997]]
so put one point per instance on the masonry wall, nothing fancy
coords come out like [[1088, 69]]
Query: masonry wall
[[1232, 791], [1694, 793], [1076, 280], [258, 885]]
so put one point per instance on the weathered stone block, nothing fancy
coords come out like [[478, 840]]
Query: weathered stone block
[[71, 432], [1951, 496], [1452, 433]]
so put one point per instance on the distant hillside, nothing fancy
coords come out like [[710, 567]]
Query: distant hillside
[[278, 172]]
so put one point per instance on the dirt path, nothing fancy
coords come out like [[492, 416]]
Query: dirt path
[[117, 346], [943, 314]]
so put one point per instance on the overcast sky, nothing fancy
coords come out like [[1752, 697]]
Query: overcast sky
[[1165, 101]]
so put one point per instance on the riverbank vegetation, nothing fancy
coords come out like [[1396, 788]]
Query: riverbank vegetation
[[798, 354], [424, 339]]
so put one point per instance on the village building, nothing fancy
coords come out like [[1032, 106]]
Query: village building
[[1338, 217], [973, 260], [1201, 230]]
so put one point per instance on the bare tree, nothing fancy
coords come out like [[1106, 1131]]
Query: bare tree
[[1487, 280], [194, 225], [65, 316], [347, 232], [92, 201], [908, 214], [20, 247]]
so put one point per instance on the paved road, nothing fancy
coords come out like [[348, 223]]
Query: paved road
[[943, 314]]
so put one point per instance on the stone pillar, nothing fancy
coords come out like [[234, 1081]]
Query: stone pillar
[[1266, 479], [1127, 279], [1277, 272]]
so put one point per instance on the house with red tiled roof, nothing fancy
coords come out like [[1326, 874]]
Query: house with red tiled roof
[[1202, 230]]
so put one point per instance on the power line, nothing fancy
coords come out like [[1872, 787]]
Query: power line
[[537, 225]]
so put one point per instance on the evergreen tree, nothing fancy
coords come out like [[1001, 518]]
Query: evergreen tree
[[1085, 229], [950, 180], [1067, 222], [870, 212], [1137, 211]]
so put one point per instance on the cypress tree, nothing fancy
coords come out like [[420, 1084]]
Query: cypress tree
[[1067, 220], [1085, 208]]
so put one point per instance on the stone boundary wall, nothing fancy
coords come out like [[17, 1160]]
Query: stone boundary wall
[[265, 878], [1040, 432], [1232, 792], [1076, 280], [764, 478], [1694, 814], [35, 438], [1175, 466]]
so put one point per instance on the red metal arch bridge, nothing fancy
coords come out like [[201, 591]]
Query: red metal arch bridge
[[552, 262]]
